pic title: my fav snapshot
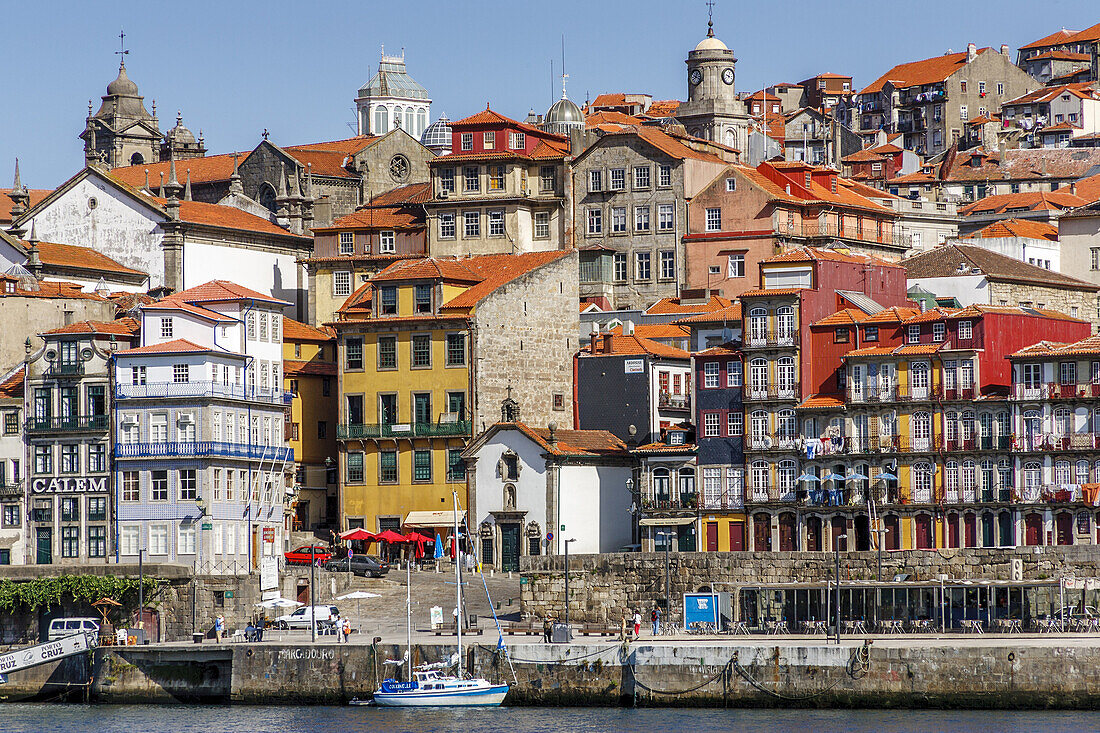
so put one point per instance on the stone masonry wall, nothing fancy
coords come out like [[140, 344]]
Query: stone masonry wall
[[525, 335], [602, 587], [1052, 298]]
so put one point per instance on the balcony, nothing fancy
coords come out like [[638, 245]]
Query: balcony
[[735, 500], [668, 401], [1056, 391], [71, 424], [666, 503], [758, 339], [861, 394], [11, 490], [949, 394], [780, 442], [459, 428], [201, 449], [868, 233], [788, 391], [176, 390], [1045, 443], [65, 370]]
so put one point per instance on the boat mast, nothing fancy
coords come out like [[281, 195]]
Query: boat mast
[[458, 587], [408, 620]]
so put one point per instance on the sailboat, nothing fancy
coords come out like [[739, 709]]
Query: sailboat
[[430, 686]]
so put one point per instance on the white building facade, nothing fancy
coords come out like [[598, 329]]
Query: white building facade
[[201, 456], [392, 99]]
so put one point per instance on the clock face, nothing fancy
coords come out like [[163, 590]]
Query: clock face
[[696, 76], [727, 76]]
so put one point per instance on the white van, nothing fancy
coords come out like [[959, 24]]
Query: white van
[[300, 618], [62, 627]]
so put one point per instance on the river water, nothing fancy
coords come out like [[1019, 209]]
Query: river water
[[50, 718]]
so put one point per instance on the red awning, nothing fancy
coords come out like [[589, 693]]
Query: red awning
[[358, 534]]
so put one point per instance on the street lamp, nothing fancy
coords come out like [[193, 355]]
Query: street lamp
[[668, 591], [840, 538], [568, 631]]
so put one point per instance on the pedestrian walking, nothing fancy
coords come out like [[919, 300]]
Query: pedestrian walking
[[548, 627], [624, 633], [637, 624], [346, 629], [655, 617], [260, 624], [219, 628]]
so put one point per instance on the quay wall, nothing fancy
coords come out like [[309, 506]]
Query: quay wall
[[602, 587], [1028, 674]]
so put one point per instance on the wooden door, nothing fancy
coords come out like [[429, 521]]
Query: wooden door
[[44, 545], [813, 534], [788, 532], [762, 533], [509, 547], [712, 536], [1033, 529], [1063, 529], [952, 530], [923, 524], [737, 536], [893, 532], [970, 530], [839, 527]]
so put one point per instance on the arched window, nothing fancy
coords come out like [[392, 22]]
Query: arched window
[[989, 480], [920, 428], [786, 427], [1062, 473], [662, 485], [137, 159], [397, 117], [922, 483], [758, 326], [1033, 423], [784, 322], [918, 380], [1081, 472], [985, 430], [409, 124], [686, 484], [758, 424], [969, 480], [381, 121], [758, 377], [1063, 422], [267, 197], [760, 480], [421, 121], [966, 431], [951, 481], [1033, 479], [1004, 469], [950, 425], [785, 479], [785, 375]]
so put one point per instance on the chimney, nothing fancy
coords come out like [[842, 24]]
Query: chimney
[[595, 336], [971, 52], [923, 305], [607, 343], [1004, 49], [1073, 187], [628, 328]]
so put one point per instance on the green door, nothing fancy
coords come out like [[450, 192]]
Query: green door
[[509, 547], [44, 542]]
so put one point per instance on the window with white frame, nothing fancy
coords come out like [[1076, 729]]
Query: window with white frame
[[664, 175], [618, 266], [595, 180], [714, 219], [711, 371], [180, 373], [158, 539], [263, 327], [666, 217], [517, 140], [641, 176], [471, 224], [618, 220], [347, 243], [137, 375], [447, 179], [185, 539], [188, 484], [617, 178], [595, 221], [471, 178], [542, 224], [939, 331], [496, 223], [731, 184], [736, 423], [735, 265], [387, 243], [913, 334], [642, 262], [447, 225], [668, 264], [467, 141], [712, 425], [733, 374], [641, 218], [217, 483], [129, 539], [966, 330], [489, 140], [166, 328]]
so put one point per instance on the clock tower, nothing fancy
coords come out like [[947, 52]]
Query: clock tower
[[712, 110]]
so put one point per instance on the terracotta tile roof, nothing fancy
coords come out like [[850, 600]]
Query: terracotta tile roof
[[731, 313], [917, 349], [657, 331], [413, 193], [887, 149], [893, 314], [53, 289], [663, 108], [207, 169], [1085, 347], [976, 311], [83, 258], [178, 346], [917, 73], [173, 305], [1025, 201], [666, 306], [226, 217], [1081, 90], [1060, 56], [632, 346], [121, 327], [348, 145], [821, 402], [126, 302], [871, 351], [984, 119], [1054, 39], [326, 163], [293, 367], [36, 195], [761, 293], [220, 291], [863, 156], [685, 449], [358, 303], [666, 143], [930, 315], [1018, 228], [489, 117], [845, 317], [498, 270], [1021, 164], [727, 349], [944, 261], [395, 217], [428, 268], [297, 331], [598, 119], [572, 442], [13, 385]]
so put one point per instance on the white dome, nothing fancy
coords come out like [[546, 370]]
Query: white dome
[[710, 43]]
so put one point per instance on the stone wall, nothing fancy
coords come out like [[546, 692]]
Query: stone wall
[[1059, 299], [602, 587], [524, 336]]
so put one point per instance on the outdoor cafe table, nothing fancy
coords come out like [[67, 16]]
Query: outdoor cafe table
[[892, 626], [1009, 625], [739, 627], [813, 627], [777, 627], [1046, 625], [855, 627], [973, 625], [921, 625]]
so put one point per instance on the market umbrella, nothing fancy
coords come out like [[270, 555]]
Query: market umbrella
[[420, 541], [855, 476], [357, 534], [807, 477], [886, 476], [438, 547], [833, 477], [357, 595], [278, 602], [390, 536]]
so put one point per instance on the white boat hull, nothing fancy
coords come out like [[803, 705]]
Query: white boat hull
[[478, 697]]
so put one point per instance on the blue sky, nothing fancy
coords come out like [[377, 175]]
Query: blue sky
[[236, 68]]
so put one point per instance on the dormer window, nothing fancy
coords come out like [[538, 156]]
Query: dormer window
[[347, 243], [517, 141], [913, 335], [489, 140], [423, 298], [467, 141], [675, 437], [387, 301], [387, 243]]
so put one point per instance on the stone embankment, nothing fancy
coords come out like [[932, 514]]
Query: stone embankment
[[602, 587], [947, 672]]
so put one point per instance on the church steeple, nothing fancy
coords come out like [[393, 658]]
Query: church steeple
[[122, 132]]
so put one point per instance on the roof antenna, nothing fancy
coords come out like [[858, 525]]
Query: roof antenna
[[564, 76]]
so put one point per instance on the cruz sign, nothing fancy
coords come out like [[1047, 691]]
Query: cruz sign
[[68, 484]]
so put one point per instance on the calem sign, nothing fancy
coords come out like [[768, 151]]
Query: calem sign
[[69, 484]]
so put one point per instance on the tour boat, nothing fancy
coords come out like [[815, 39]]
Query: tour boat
[[429, 686]]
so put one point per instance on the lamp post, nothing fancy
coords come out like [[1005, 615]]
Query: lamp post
[[840, 538], [312, 599], [141, 588], [568, 630], [668, 591], [634, 508]]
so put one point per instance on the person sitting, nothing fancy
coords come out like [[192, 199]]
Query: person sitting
[[249, 632]]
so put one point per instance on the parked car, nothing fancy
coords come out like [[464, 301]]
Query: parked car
[[300, 619], [362, 565], [62, 627], [301, 555]]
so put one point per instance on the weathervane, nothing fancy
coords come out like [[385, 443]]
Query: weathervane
[[122, 47], [710, 18]]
